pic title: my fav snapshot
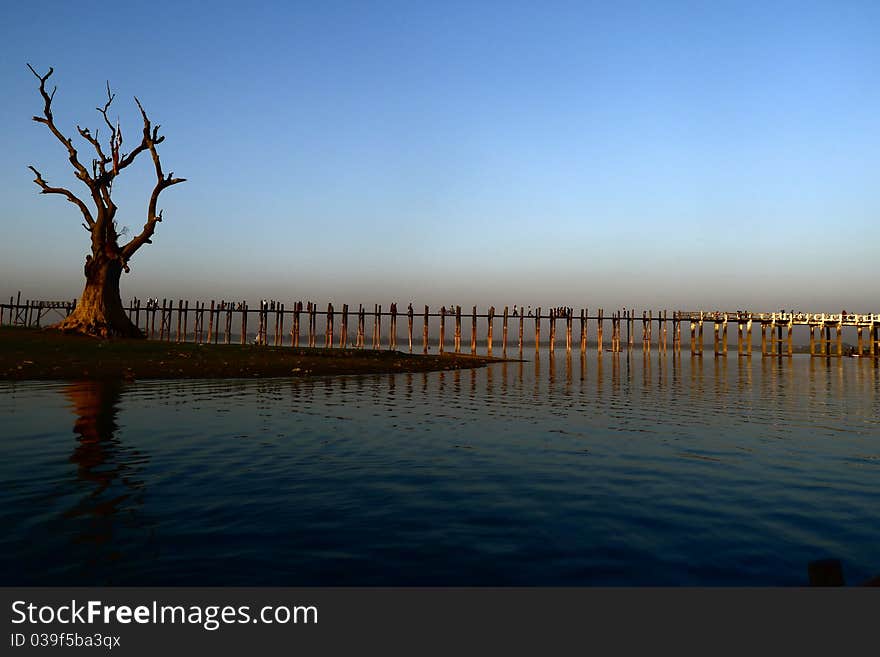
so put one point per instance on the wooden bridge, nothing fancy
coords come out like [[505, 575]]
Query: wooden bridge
[[219, 321]]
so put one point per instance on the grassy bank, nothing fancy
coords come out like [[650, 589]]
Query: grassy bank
[[47, 354]]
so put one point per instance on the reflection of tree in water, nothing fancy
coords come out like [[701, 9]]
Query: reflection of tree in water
[[106, 474]]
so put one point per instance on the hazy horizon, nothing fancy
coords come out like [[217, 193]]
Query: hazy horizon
[[663, 155]]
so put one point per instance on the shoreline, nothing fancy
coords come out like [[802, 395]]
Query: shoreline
[[28, 354]]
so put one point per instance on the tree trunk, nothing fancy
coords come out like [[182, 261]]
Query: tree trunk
[[99, 311]]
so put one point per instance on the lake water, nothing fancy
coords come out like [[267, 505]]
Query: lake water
[[599, 471]]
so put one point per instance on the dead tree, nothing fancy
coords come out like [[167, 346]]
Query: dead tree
[[99, 311]]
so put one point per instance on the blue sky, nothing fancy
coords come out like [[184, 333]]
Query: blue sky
[[656, 154]]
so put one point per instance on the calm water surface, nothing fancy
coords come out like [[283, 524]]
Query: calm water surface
[[605, 471]]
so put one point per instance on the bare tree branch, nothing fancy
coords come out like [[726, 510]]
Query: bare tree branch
[[150, 139], [48, 119], [46, 189]]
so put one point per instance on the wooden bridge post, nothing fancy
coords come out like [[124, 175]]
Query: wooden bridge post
[[552, 319], [489, 328], [185, 319], [568, 321], [749, 336], [328, 331], [777, 343], [840, 336], [211, 323], [244, 318], [790, 340], [812, 339], [724, 335], [874, 347], [617, 330], [693, 337], [504, 334], [227, 336], [457, 336], [409, 320], [663, 332], [425, 333], [859, 339], [474, 330], [294, 329], [700, 334], [179, 319], [763, 338], [442, 329], [392, 338], [343, 329], [645, 331], [627, 320], [279, 324], [599, 336], [585, 312], [739, 337], [217, 325], [537, 329], [379, 326], [522, 318]]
